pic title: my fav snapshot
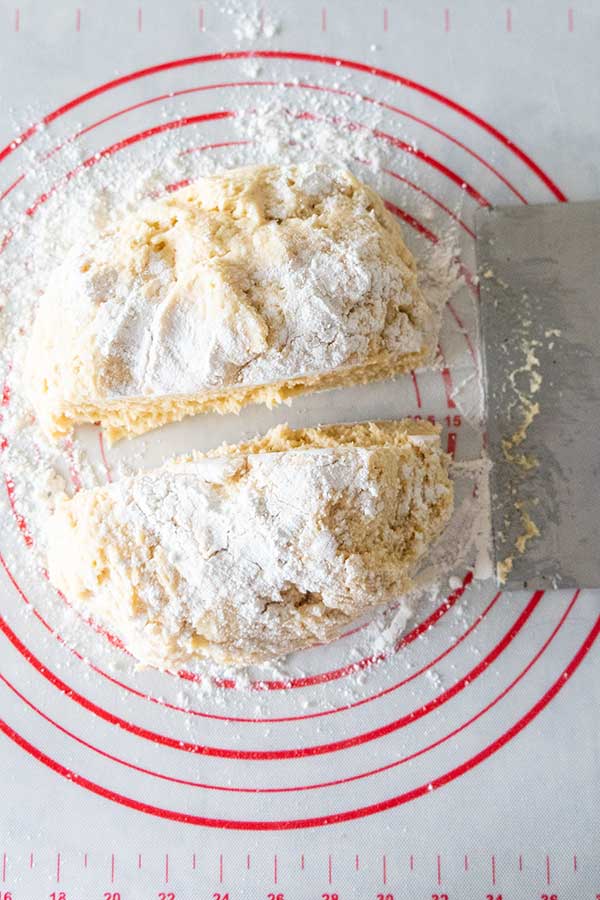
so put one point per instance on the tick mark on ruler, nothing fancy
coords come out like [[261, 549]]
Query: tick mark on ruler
[[571, 18], [248, 861], [139, 18], [58, 868], [574, 863], [193, 860], [520, 863], [166, 868], [448, 387], [112, 868], [446, 20], [139, 860], [451, 448], [439, 869], [221, 869], [386, 19], [412, 863], [323, 19], [329, 870], [466, 863], [275, 869], [78, 19], [356, 862], [302, 862], [547, 870], [31, 860], [384, 870], [493, 870], [509, 19], [4, 867], [17, 19]]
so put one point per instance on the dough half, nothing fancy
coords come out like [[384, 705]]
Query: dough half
[[246, 287], [252, 551]]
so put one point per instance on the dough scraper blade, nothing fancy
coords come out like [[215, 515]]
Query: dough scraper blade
[[539, 270]]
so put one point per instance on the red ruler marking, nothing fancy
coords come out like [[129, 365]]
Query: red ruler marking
[[509, 19], [31, 860], [139, 860], [329, 870], [412, 221], [384, 869], [451, 449], [493, 870], [466, 863], [412, 863], [448, 387], [58, 868], [17, 19], [12, 187], [386, 19], [324, 19], [104, 457], [166, 868], [574, 863], [439, 869], [570, 19], [520, 863], [193, 860], [139, 18], [221, 869], [78, 19], [6, 240], [4, 867], [201, 19], [416, 387], [302, 862], [275, 869], [112, 868], [19, 519], [547, 870], [446, 20], [356, 863]]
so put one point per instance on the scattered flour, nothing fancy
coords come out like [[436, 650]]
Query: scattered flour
[[287, 126]]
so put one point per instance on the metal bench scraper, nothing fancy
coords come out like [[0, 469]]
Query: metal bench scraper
[[539, 270]]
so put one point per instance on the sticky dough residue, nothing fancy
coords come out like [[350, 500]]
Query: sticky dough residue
[[529, 409]]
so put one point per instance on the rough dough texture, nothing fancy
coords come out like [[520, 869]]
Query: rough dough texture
[[246, 287], [252, 551]]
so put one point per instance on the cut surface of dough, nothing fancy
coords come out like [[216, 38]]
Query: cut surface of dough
[[246, 287], [255, 550]]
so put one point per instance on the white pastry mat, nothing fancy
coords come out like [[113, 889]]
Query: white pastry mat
[[465, 763]]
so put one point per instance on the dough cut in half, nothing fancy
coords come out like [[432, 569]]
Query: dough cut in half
[[246, 287], [252, 551]]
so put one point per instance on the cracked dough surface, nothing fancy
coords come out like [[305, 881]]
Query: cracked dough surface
[[252, 551], [245, 287]]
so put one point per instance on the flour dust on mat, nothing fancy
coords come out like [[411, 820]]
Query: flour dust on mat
[[287, 126]]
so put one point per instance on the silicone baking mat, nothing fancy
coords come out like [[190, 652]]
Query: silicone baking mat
[[466, 763]]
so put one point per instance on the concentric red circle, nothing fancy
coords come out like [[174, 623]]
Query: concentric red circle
[[398, 800], [477, 670]]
